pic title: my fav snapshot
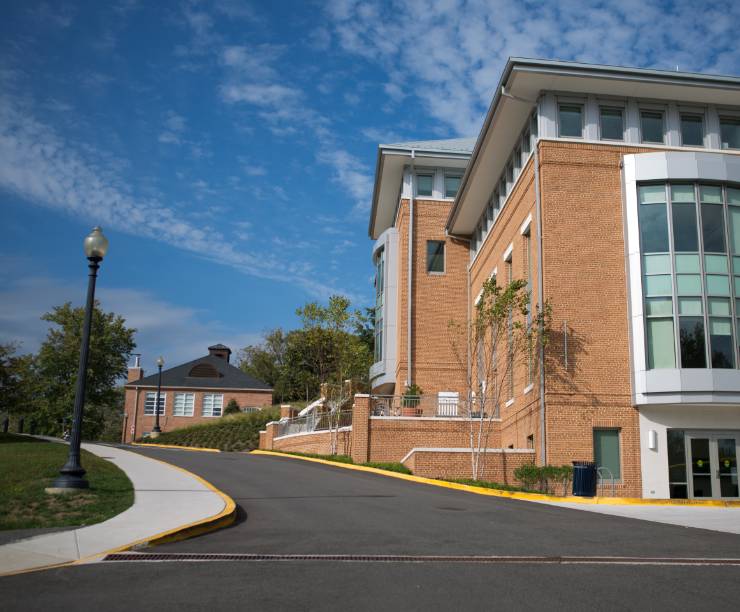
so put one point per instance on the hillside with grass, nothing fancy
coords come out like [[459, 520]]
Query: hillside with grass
[[235, 432]]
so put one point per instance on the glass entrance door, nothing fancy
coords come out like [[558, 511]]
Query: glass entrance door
[[727, 470], [713, 461]]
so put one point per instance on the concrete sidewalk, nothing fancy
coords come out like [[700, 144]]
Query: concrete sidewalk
[[166, 499], [716, 519]]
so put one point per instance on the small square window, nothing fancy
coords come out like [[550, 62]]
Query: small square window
[[692, 130], [729, 128], [611, 123], [571, 120], [651, 126], [424, 184], [452, 184], [436, 256]]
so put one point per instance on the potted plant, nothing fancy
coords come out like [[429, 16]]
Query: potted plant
[[410, 400]]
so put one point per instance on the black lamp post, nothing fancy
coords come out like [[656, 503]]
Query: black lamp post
[[156, 430], [72, 475]]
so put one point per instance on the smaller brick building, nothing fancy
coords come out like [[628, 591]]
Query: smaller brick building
[[195, 392]]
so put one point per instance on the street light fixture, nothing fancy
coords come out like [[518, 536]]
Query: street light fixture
[[72, 474], [156, 430]]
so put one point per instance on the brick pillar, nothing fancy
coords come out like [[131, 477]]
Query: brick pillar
[[267, 439], [361, 429]]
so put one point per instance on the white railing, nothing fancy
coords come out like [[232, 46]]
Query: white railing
[[430, 406], [313, 421]]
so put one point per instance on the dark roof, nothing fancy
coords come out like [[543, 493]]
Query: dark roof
[[220, 347], [229, 377]]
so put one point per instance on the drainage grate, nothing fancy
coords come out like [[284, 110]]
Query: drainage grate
[[488, 559]]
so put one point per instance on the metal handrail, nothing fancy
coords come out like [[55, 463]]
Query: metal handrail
[[611, 477]]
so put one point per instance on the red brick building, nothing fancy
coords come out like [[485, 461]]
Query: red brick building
[[194, 392]]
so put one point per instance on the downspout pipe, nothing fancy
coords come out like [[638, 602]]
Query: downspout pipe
[[410, 272], [540, 299]]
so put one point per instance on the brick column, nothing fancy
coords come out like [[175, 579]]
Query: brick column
[[266, 440], [361, 428]]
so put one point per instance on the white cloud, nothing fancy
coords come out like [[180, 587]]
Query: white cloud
[[449, 54], [352, 175]]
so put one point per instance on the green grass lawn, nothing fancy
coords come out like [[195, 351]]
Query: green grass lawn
[[27, 467]]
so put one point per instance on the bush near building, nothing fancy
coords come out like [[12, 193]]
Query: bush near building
[[235, 432]]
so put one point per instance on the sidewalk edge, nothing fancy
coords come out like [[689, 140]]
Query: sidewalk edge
[[535, 497], [175, 446]]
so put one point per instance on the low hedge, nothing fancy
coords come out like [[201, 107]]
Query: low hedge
[[544, 478]]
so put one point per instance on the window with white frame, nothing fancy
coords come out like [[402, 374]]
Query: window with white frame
[[729, 128], [611, 123], [184, 404], [527, 257], [452, 184], [151, 399], [692, 130], [424, 184], [651, 126], [510, 334], [570, 120], [213, 404], [436, 256]]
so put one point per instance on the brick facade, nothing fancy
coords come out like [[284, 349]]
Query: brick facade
[[498, 464]]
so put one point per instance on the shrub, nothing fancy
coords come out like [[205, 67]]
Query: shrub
[[544, 478], [232, 407], [391, 466]]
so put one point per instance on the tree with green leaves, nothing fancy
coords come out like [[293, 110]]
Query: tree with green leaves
[[111, 345], [503, 331]]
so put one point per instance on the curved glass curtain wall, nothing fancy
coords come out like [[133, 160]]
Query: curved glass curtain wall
[[379, 302], [690, 246]]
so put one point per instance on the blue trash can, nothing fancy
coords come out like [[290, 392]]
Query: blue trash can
[[584, 478]]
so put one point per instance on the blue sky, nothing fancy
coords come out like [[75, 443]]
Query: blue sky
[[228, 147]]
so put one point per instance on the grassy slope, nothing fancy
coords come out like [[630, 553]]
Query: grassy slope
[[29, 466], [238, 432]]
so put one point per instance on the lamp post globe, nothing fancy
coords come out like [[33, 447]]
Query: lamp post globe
[[72, 475], [156, 429]]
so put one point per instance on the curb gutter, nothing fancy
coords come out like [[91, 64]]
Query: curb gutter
[[536, 497]]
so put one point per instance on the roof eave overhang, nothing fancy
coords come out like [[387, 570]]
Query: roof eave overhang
[[727, 86], [404, 155]]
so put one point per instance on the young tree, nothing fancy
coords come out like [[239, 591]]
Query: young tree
[[503, 332]]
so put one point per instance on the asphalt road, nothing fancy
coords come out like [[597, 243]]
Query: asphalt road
[[294, 507]]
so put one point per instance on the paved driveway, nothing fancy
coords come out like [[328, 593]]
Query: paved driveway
[[294, 507]]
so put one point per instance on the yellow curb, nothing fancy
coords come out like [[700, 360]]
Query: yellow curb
[[223, 519], [540, 497], [192, 448]]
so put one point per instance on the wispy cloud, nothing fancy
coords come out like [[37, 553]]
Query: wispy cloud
[[41, 167]]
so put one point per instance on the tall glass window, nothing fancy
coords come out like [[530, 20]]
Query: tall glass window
[[692, 285], [606, 451], [677, 482]]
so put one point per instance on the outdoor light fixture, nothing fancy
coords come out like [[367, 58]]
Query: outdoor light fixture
[[653, 439], [72, 475], [156, 430]]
